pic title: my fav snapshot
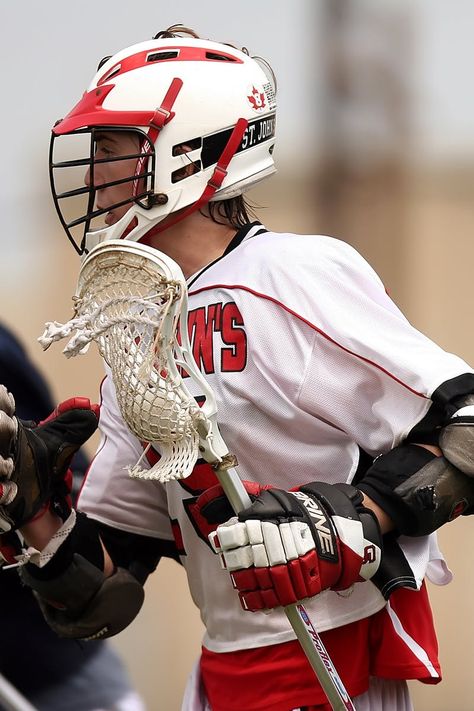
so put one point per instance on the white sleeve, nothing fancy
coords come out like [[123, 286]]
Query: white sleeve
[[109, 495], [370, 373]]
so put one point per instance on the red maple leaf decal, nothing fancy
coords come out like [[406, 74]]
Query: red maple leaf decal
[[257, 99]]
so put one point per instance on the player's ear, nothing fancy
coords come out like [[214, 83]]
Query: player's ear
[[191, 166]]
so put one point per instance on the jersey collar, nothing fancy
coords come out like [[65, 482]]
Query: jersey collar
[[244, 233]]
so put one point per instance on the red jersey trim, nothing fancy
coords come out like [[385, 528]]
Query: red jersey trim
[[97, 452], [240, 287], [398, 642]]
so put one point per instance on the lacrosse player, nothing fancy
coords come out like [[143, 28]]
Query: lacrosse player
[[352, 430]]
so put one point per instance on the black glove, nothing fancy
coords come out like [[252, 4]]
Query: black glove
[[34, 459]]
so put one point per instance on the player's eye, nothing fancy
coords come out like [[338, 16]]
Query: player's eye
[[103, 150]]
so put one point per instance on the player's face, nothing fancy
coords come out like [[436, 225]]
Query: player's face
[[110, 146]]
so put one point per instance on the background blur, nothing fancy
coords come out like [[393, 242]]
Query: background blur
[[376, 146]]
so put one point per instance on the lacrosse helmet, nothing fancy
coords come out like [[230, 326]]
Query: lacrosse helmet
[[190, 102]]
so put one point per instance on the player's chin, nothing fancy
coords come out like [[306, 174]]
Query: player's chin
[[110, 218], [114, 216]]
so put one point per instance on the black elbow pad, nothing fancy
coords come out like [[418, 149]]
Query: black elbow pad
[[83, 603], [418, 490], [76, 598]]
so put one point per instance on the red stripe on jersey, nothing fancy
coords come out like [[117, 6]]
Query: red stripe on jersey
[[178, 536], [240, 287], [201, 478], [279, 677], [153, 457], [99, 449]]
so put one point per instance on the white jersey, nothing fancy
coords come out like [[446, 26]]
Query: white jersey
[[310, 361]]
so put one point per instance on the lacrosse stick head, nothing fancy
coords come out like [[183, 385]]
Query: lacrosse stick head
[[132, 298]]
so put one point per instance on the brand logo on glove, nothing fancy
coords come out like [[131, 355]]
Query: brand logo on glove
[[324, 533]]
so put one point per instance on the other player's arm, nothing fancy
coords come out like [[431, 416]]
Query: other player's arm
[[88, 578], [92, 587]]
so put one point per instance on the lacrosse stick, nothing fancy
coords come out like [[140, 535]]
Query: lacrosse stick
[[11, 699], [132, 301]]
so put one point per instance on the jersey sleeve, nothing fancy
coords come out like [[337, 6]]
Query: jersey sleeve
[[370, 372], [109, 495]]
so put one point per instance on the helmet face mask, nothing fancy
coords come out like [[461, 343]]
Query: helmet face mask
[[130, 179], [192, 121]]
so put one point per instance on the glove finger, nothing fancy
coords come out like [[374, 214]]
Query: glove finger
[[7, 401], [251, 579], [238, 558], [305, 575], [273, 544], [8, 430], [6, 467], [8, 491], [256, 590], [73, 427], [67, 428], [229, 535], [259, 601]]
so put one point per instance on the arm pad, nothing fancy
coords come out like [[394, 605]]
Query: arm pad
[[418, 490], [76, 598], [456, 438], [87, 605]]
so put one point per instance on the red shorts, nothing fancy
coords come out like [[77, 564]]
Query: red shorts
[[398, 642]]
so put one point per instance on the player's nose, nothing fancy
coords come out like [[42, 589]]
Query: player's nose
[[97, 179]]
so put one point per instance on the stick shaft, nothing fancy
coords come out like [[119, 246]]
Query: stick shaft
[[11, 699], [308, 637]]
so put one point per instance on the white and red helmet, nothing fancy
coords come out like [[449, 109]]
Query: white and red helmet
[[216, 100]]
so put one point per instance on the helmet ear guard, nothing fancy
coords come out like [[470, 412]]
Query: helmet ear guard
[[209, 96]]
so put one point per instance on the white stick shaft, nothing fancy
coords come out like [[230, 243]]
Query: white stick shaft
[[308, 637], [11, 699]]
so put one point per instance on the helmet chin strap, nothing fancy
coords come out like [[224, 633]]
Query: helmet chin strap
[[213, 184], [161, 117], [164, 114]]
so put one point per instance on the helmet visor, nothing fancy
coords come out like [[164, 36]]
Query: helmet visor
[[96, 174]]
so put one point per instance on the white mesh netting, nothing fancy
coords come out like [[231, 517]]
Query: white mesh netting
[[131, 311]]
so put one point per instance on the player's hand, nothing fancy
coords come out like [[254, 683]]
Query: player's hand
[[34, 459], [288, 546]]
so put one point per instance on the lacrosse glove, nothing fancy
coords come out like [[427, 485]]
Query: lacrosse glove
[[35, 458], [291, 545]]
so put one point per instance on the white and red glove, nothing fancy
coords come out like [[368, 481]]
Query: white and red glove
[[288, 546]]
